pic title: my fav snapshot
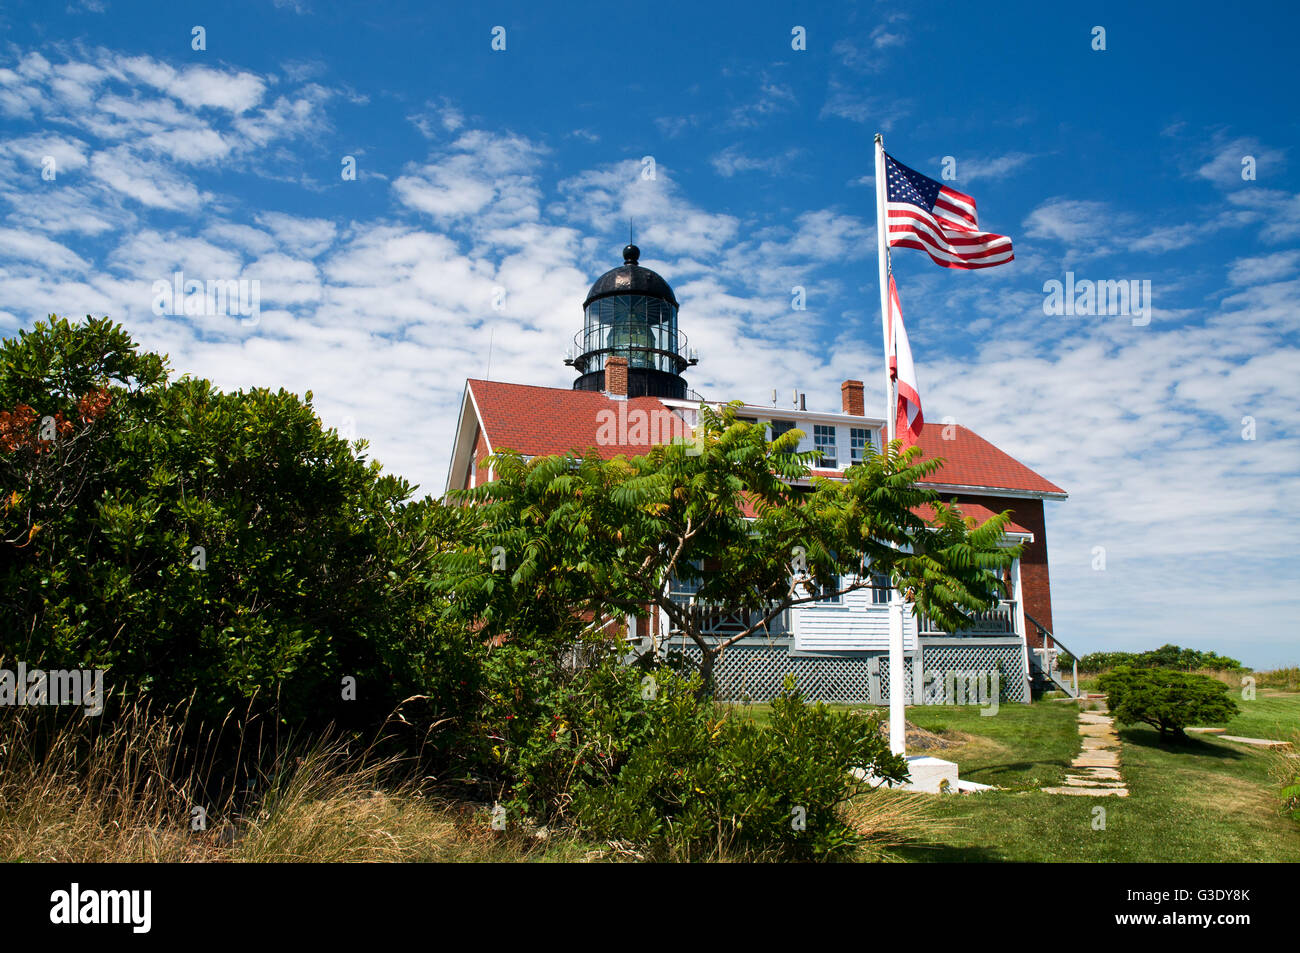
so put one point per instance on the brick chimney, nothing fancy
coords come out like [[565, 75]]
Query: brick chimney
[[616, 378], [851, 398]]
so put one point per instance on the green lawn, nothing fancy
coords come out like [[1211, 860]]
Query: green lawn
[[1205, 800]]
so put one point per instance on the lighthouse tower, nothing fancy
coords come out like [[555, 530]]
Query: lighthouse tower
[[631, 312]]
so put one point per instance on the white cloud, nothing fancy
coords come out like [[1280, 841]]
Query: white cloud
[[199, 86], [37, 249], [304, 236], [993, 167], [1224, 167], [150, 183], [846, 101], [481, 174], [1265, 268], [731, 161]]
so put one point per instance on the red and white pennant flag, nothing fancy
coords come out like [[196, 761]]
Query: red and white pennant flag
[[903, 372]]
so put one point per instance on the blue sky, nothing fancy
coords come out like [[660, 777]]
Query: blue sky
[[517, 170]]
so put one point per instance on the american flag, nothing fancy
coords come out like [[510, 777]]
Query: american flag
[[926, 214]]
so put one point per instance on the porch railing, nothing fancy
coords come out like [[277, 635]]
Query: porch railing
[[717, 621], [1047, 658], [1000, 620]]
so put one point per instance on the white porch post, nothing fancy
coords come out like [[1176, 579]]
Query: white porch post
[[1019, 597]]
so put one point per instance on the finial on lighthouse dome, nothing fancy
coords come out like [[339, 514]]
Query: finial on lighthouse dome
[[630, 254]]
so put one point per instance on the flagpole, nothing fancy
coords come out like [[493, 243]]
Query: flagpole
[[897, 731]]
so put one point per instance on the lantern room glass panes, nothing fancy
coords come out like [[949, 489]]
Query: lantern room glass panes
[[634, 327]]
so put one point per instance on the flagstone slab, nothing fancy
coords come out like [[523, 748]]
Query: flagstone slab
[[1258, 742], [1208, 731], [1090, 792], [1099, 731], [1073, 782]]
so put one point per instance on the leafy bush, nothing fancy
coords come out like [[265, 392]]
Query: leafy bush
[[1291, 799], [1167, 656], [194, 543], [1168, 701], [541, 726], [703, 781], [645, 758]]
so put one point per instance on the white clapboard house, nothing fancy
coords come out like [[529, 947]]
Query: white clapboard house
[[630, 357]]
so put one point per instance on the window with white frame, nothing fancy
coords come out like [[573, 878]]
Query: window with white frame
[[781, 426], [824, 444], [859, 440], [829, 594], [880, 587]]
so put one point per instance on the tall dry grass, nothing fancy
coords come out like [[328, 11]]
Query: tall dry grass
[[83, 791], [1284, 769], [1231, 678], [1282, 679], [77, 791], [888, 819]]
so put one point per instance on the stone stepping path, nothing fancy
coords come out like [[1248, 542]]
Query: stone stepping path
[[1096, 767]]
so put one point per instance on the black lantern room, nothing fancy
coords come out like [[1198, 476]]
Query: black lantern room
[[631, 312]]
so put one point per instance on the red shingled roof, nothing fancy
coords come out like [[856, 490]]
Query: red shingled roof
[[970, 460], [537, 421], [975, 510], [540, 421]]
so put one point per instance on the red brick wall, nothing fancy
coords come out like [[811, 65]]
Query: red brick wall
[[1034, 581], [478, 473]]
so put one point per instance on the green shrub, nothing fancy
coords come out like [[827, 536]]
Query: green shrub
[[543, 728], [1168, 701], [205, 546], [703, 782], [1291, 799], [1167, 656]]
